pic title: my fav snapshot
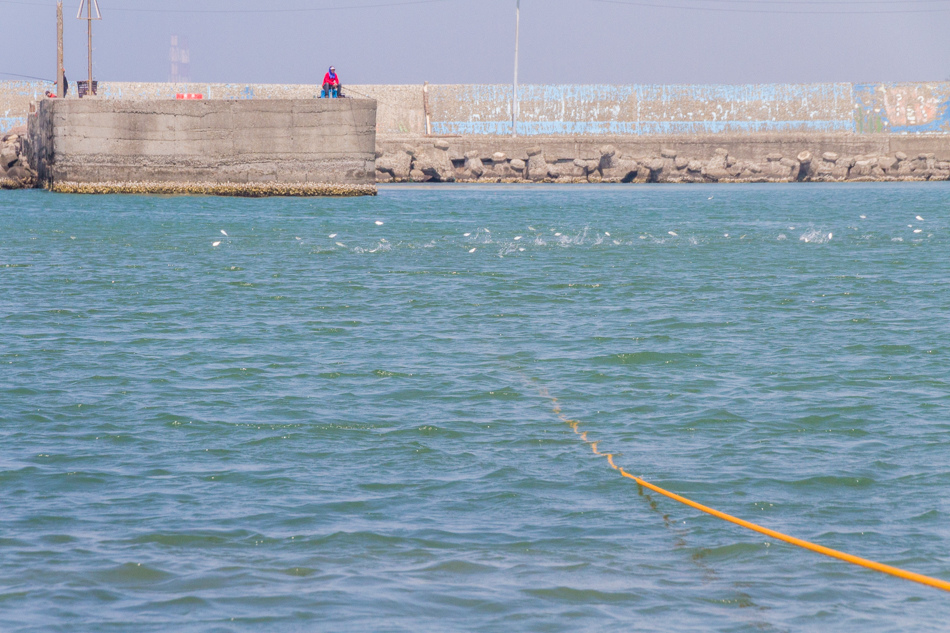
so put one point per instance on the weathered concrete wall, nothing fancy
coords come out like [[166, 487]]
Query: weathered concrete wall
[[643, 109], [863, 122], [756, 147], [399, 108], [241, 147], [902, 108], [569, 110], [15, 99]]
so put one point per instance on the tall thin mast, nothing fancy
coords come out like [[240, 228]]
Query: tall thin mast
[[59, 50], [88, 4], [514, 85], [89, 23]]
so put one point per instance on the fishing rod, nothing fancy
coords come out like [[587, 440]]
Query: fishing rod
[[26, 77]]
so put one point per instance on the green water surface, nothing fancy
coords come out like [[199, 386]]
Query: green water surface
[[333, 415]]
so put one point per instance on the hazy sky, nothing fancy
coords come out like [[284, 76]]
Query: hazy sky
[[472, 41]]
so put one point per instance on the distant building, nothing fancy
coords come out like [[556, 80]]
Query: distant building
[[180, 59]]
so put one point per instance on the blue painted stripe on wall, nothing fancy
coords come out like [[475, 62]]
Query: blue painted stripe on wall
[[643, 108], [10, 122]]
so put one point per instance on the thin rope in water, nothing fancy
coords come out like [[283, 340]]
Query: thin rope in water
[[820, 549]]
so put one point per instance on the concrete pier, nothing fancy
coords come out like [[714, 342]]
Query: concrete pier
[[290, 147], [834, 132]]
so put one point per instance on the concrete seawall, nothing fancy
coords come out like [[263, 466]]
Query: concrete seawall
[[571, 110], [252, 148], [767, 132]]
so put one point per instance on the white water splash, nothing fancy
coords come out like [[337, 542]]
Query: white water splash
[[812, 236], [383, 246]]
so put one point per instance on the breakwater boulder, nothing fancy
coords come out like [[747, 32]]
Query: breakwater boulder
[[15, 170], [457, 159]]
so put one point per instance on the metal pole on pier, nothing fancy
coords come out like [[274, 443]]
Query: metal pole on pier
[[89, 23], [88, 4], [514, 85], [59, 51]]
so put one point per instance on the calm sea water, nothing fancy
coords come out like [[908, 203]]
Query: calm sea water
[[334, 416]]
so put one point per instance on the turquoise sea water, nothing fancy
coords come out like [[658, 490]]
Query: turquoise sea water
[[294, 432]]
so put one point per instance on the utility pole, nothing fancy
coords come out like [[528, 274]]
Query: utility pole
[[514, 85], [88, 4], [59, 51]]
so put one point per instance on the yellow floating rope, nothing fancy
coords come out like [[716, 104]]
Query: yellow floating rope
[[827, 551]]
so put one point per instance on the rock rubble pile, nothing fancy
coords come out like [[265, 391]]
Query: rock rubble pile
[[434, 162], [15, 171]]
